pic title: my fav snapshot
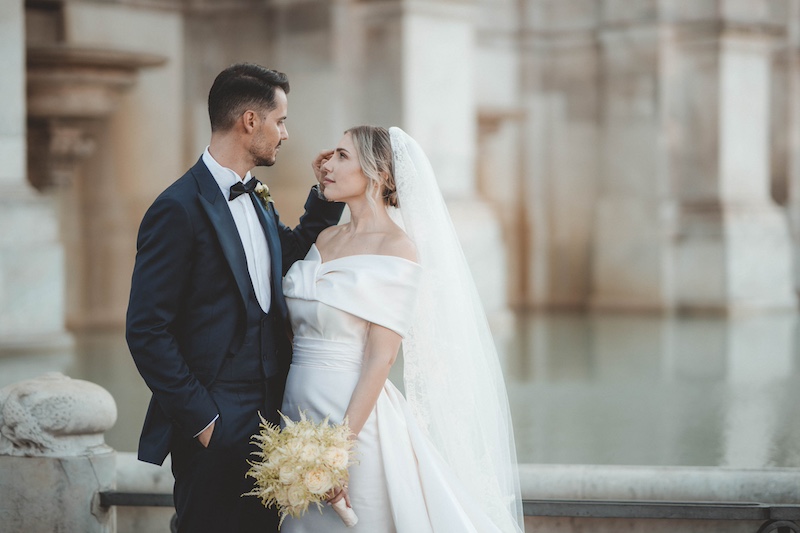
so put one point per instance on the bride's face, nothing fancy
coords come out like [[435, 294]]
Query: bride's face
[[344, 179]]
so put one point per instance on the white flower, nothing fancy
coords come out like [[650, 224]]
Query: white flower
[[318, 481], [309, 453], [336, 458], [287, 475], [296, 495], [263, 192]]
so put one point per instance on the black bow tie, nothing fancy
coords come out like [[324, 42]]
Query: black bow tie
[[242, 188]]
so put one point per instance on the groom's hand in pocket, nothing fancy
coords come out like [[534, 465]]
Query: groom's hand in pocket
[[205, 436]]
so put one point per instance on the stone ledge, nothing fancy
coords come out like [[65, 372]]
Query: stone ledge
[[678, 483], [640, 483], [44, 494]]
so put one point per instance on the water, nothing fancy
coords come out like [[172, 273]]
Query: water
[[583, 388], [647, 390]]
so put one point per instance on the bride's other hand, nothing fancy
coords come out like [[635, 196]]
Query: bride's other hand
[[337, 494], [320, 160]]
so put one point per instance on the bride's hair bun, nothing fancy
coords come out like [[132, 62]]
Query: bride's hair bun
[[390, 197], [374, 147]]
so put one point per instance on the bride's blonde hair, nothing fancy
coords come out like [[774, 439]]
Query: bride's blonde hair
[[374, 148]]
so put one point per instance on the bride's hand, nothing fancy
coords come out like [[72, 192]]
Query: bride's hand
[[337, 494], [320, 160]]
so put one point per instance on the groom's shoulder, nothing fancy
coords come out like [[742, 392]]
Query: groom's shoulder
[[186, 187]]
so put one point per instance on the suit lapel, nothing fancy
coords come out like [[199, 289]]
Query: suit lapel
[[221, 220], [266, 216]]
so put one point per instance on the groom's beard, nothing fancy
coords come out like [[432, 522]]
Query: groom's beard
[[264, 162], [263, 157]]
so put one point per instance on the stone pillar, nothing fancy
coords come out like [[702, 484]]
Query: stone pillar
[[309, 41], [791, 131], [31, 255], [414, 66], [104, 137], [685, 219], [53, 460], [560, 153], [631, 245], [732, 248], [500, 121]]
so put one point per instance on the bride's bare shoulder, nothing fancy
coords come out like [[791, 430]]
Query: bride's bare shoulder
[[397, 243], [326, 235]]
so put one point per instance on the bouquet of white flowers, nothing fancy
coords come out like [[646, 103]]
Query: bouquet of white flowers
[[300, 464]]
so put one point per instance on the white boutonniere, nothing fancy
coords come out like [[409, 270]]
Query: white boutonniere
[[263, 192]]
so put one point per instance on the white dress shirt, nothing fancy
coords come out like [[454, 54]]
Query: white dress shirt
[[250, 230]]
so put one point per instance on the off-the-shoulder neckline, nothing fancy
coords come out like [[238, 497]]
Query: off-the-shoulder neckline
[[324, 262]]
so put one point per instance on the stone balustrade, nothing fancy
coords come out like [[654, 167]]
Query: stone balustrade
[[54, 463]]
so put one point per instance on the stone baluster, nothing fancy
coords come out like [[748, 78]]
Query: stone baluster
[[53, 459]]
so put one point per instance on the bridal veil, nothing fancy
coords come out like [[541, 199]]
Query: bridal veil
[[452, 375]]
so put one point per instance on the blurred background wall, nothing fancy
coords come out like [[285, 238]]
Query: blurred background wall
[[635, 155]]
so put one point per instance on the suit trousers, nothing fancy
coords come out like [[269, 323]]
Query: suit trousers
[[209, 482]]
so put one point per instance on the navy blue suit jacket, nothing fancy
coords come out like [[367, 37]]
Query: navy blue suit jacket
[[187, 301]]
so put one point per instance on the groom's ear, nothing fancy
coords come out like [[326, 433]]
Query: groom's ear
[[249, 120]]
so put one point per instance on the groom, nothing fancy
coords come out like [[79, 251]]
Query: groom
[[207, 320]]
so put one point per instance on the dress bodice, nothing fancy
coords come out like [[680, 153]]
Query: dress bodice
[[336, 300], [312, 319]]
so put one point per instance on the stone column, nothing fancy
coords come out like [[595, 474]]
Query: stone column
[[560, 156], [732, 248], [686, 219], [53, 460], [631, 245], [500, 184], [416, 71], [31, 255], [137, 127], [791, 130], [309, 41], [500, 123], [413, 67]]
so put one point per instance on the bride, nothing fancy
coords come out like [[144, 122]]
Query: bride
[[444, 460]]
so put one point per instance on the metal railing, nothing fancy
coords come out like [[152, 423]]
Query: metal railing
[[135, 499], [775, 518]]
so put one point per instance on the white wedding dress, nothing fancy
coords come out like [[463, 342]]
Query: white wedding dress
[[400, 482]]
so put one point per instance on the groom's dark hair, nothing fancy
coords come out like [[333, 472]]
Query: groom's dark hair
[[241, 87]]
